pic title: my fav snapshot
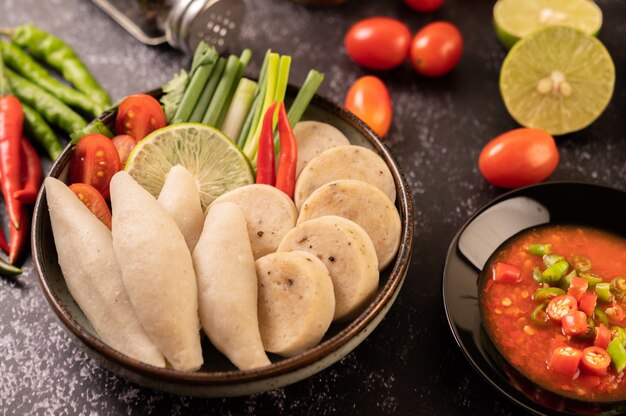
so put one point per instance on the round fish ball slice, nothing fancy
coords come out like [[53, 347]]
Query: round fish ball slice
[[364, 204], [314, 137], [269, 215], [347, 252], [344, 162], [296, 301]]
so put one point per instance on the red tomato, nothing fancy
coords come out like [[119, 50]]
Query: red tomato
[[603, 336], [124, 145], [577, 287], [369, 100], [565, 360], [615, 313], [424, 6], [506, 273], [378, 42], [561, 306], [574, 323], [94, 161], [139, 115], [587, 303], [436, 49], [595, 360], [518, 158], [94, 201]]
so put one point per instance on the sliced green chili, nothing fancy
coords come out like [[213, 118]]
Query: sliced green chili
[[618, 284], [546, 293], [601, 316], [581, 263], [41, 132], [555, 272], [592, 279], [550, 259], [618, 354], [603, 290], [540, 249], [619, 332], [566, 280], [537, 277], [56, 53], [539, 315]]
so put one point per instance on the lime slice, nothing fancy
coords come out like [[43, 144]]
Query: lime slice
[[216, 162], [557, 79], [515, 19]]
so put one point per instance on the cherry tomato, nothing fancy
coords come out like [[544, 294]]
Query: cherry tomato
[[615, 313], [94, 161], [378, 43], [368, 98], [561, 306], [574, 323], [424, 6], [603, 336], [124, 145], [506, 273], [518, 158], [587, 303], [565, 360], [595, 360], [577, 287], [93, 200], [139, 115], [436, 49]]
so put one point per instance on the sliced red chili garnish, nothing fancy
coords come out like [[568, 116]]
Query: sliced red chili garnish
[[615, 313], [561, 306], [574, 323], [565, 360], [595, 360], [506, 273], [603, 336], [577, 287], [587, 303]]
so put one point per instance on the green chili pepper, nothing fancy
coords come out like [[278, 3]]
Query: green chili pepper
[[618, 354], [539, 315], [603, 290], [601, 316], [540, 249], [547, 293], [592, 279], [57, 54], [26, 66], [537, 277], [619, 332], [618, 284], [40, 131], [554, 273], [50, 107], [95, 126], [581, 263], [550, 259], [566, 280]]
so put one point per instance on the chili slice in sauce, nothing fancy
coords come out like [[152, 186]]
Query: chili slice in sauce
[[561, 306]]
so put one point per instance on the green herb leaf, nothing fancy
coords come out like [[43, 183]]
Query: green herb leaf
[[173, 92]]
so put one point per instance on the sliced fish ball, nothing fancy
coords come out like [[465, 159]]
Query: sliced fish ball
[[227, 286], [93, 277], [181, 199], [314, 137], [364, 204], [157, 271], [344, 162], [269, 214], [347, 252], [296, 301]]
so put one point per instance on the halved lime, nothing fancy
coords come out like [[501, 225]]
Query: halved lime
[[515, 19], [557, 79], [216, 162]]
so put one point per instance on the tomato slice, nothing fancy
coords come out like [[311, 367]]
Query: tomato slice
[[561, 306], [94, 201], [124, 145], [574, 323], [565, 360], [587, 303], [595, 360], [506, 273], [94, 162], [139, 115], [603, 336], [577, 287], [615, 313]]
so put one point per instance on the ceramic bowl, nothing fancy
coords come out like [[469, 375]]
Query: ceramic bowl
[[219, 378]]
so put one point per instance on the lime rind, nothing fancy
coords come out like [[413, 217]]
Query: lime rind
[[515, 19], [580, 58], [216, 162]]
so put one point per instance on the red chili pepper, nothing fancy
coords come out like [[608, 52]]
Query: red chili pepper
[[3, 243], [265, 165], [11, 119], [31, 173], [286, 176], [18, 239]]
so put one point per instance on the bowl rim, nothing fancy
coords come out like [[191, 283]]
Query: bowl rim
[[386, 293]]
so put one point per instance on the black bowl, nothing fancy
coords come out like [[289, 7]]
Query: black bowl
[[546, 203]]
